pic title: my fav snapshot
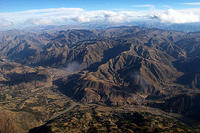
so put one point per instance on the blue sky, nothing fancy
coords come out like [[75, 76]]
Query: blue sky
[[28, 13], [20, 5]]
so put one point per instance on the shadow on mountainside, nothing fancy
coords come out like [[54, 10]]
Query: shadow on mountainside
[[109, 54], [17, 78]]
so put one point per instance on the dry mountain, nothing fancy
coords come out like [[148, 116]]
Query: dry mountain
[[116, 67]]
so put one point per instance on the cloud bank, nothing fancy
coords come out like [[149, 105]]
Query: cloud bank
[[65, 16], [178, 16], [58, 16]]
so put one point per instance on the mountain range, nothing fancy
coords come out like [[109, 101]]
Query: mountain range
[[116, 79]]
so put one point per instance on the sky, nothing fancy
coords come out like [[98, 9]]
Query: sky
[[21, 5], [26, 13]]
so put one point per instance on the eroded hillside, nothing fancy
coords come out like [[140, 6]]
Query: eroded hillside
[[47, 76]]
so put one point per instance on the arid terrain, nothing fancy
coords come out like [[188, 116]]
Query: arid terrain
[[119, 79]]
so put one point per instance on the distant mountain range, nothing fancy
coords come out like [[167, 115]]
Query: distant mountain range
[[182, 27]]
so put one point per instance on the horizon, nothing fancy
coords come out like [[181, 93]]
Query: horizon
[[24, 14]]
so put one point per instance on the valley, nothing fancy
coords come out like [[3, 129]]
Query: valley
[[118, 79]]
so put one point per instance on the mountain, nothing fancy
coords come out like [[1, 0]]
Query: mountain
[[184, 27], [53, 74]]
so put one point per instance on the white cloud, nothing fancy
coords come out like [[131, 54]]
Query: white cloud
[[57, 16], [5, 23], [144, 6], [64, 16], [193, 3], [177, 16]]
